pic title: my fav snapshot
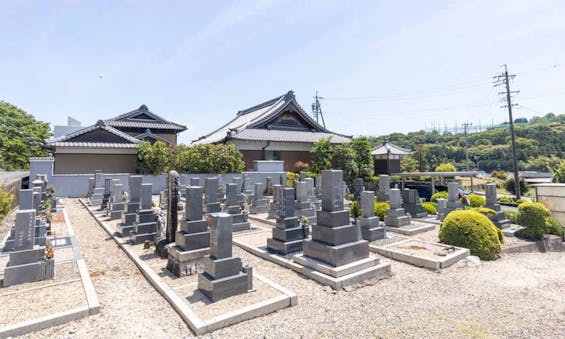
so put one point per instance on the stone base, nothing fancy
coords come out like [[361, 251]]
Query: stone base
[[241, 226], [115, 215], [34, 271], [192, 241], [213, 207], [125, 230], [258, 209], [372, 234], [219, 289], [336, 255], [414, 228], [397, 221], [182, 263], [284, 248], [128, 219], [137, 239]]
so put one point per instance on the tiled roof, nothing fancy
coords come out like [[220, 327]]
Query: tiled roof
[[288, 136], [386, 146], [153, 120], [148, 133], [126, 140], [242, 127]]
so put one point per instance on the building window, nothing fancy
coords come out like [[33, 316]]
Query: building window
[[272, 155]]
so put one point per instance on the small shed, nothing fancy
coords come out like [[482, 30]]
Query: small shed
[[387, 157]]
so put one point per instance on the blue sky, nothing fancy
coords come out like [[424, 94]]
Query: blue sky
[[383, 66]]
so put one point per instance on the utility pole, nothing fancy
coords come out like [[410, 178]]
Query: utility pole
[[504, 79], [466, 127], [317, 109]]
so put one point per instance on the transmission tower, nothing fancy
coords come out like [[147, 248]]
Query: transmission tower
[[317, 110], [504, 79]]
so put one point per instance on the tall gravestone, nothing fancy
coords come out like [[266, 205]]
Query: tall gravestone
[[192, 241], [224, 275], [194, 181], [396, 215], [26, 199], [145, 226], [90, 187], [274, 204], [27, 203], [453, 202], [288, 234], [259, 203], [336, 250], [248, 188], [28, 262], [371, 229], [499, 218], [107, 193], [117, 205], [357, 188], [441, 208], [412, 204], [211, 195], [98, 191], [303, 204], [130, 213], [383, 194], [233, 208], [162, 243], [269, 186]]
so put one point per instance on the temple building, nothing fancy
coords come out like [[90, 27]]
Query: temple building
[[277, 129], [387, 157], [110, 145]]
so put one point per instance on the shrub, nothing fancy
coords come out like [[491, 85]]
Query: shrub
[[476, 200], [472, 230], [499, 174], [445, 167], [355, 209], [437, 195], [520, 201], [512, 216], [489, 213], [381, 208], [506, 199], [533, 216], [301, 166], [430, 207], [554, 227], [509, 186], [5, 202], [291, 177]]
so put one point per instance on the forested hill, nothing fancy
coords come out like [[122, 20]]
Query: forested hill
[[540, 146]]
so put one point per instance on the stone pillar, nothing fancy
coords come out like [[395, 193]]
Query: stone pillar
[[233, 208], [499, 219], [211, 195], [303, 204], [259, 203], [371, 229], [396, 215], [288, 233], [411, 203], [383, 195], [274, 205]]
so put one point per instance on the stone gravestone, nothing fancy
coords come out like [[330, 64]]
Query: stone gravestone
[[26, 199], [90, 187], [411, 203], [441, 208], [303, 176], [162, 243], [239, 182], [194, 181], [499, 219], [274, 205], [117, 204], [288, 234], [396, 215], [335, 241], [269, 186], [303, 204], [224, 275], [453, 202], [98, 191], [318, 189], [192, 242], [247, 187], [107, 193], [259, 203], [211, 195], [145, 226], [28, 262], [371, 229], [358, 188], [27, 203], [316, 202], [233, 208], [130, 213], [383, 195]]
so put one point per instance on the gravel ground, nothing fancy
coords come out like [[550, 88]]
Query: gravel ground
[[519, 295]]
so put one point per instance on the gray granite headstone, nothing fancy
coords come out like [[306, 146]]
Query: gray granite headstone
[[211, 189], [135, 182], [26, 199], [24, 230], [332, 190], [490, 193], [146, 196], [194, 181], [194, 203], [220, 236], [232, 194]]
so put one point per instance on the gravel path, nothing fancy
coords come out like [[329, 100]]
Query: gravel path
[[519, 295]]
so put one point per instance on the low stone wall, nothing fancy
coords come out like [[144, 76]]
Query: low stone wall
[[76, 185], [552, 196]]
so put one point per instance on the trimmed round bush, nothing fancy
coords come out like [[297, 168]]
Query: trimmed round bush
[[512, 216], [381, 208], [476, 200], [472, 230], [554, 227], [430, 207], [510, 187], [533, 216], [490, 213], [437, 195]]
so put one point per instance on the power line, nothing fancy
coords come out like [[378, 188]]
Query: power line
[[317, 109], [504, 79]]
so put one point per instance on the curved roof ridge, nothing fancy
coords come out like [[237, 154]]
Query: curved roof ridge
[[99, 124]]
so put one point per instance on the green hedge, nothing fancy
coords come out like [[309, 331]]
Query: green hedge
[[476, 200], [437, 195], [5, 202], [472, 230], [554, 227], [381, 208], [430, 207], [512, 216], [533, 216]]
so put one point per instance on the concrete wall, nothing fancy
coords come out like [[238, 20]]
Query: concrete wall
[[553, 196], [84, 163], [76, 185]]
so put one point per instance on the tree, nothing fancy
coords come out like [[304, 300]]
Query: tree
[[344, 159], [446, 167], [153, 158], [21, 137], [560, 172], [321, 155], [409, 164], [509, 185], [363, 157]]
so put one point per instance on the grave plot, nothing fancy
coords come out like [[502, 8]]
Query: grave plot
[[68, 296], [419, 252], [183, 293], [413, 228]]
